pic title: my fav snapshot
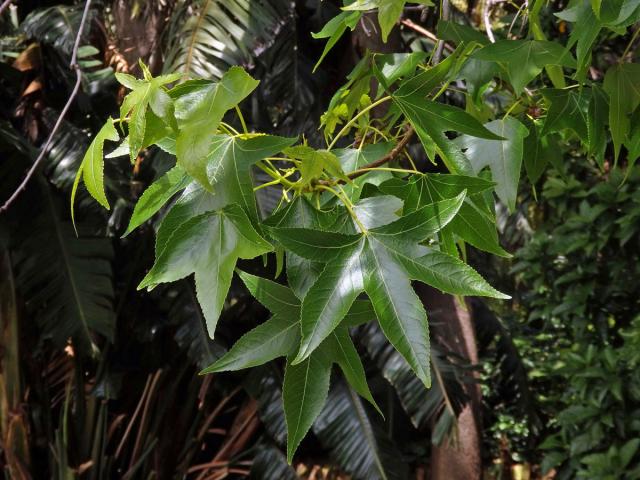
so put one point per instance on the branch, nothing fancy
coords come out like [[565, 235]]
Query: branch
[[444, 15], [424, 32], [76, 88], [486, 12], [395, 151], [4, 5]]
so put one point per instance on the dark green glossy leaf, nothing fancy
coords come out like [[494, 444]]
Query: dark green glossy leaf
[[304, 393], [209, 246]]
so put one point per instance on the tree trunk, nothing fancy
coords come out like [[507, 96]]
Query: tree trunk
[[456, 458]]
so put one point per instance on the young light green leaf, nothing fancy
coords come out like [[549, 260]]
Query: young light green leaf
[[334, 29], [194, 141], [209, 246], [92, 167], [504, 158], [144, 93], [156, 195]]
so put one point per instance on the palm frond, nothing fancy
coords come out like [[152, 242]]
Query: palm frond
[[66, 280], [446, 397], [270, 463], [57, 26], [191, 333], [207, 37], [356, 439]]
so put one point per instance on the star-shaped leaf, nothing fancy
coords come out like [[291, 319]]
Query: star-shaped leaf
[[195, 140], [504, 158], [209, 246], [365, 262], [525, 59], [473, 223], [305, 385], [567, 109], [389, 12]]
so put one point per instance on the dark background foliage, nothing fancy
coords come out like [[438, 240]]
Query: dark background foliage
[[100, 381]]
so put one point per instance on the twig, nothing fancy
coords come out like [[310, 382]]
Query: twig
[[76, 88], [4, 5], [444, 15], [381, 161], [486, 11], [426, 33]]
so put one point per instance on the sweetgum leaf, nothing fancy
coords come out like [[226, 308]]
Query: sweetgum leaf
[[92, 167], [504, 158], [209, 246], [194, 142]]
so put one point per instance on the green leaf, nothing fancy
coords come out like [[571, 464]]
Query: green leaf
[[344, 353], [278, 299], [364, 262], [394, 66], [622, 83], [144, 93], [584, 33], [504, 158], [330, 298], [209, 246], [431, 119], [304, 393], [474, 225], [228, 166], [399, 310], [458, 33], [539, 150], [92, 167], [568, 109], [195, 138], [525, 59], [444, 272], [277, 337], [423, 222], [389, 12], [334, 29], [156, 195]]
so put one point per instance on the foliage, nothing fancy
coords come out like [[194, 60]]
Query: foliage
[[569, 274], [330, 236], [360, 244]]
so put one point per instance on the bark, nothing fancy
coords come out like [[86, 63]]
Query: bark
[[457, 458]]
